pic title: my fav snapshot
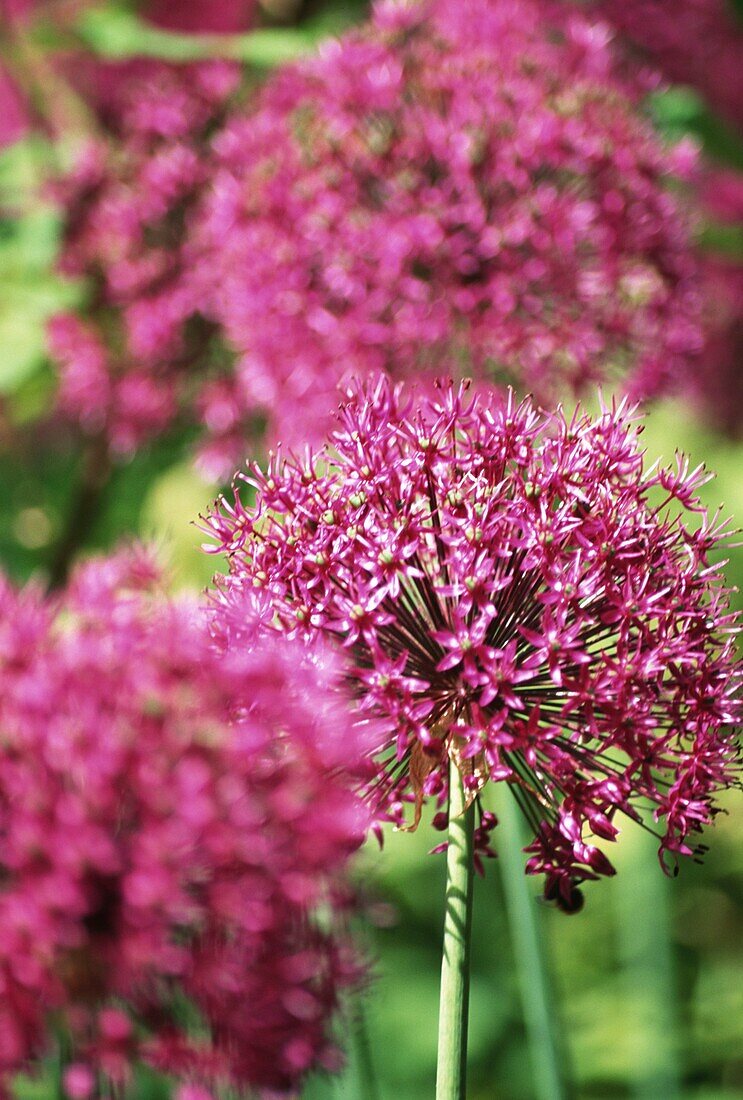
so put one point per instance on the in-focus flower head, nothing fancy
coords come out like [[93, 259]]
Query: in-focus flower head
[[469, 185], [173, 811], [514, 591]]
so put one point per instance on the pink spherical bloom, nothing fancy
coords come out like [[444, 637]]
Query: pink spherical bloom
[[139, 351], [469, 184], [173, 812], [513, 591], [694, 42]]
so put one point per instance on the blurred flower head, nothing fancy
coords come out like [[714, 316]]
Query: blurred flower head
[[174, 812], [515, 592], [138, 351], [467, 185]]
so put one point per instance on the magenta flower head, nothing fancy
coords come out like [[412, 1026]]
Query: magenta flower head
[[137, 354], [174, 812], [469, 183], [513, 592]]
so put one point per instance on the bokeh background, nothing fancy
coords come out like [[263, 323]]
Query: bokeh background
[[647, 981]]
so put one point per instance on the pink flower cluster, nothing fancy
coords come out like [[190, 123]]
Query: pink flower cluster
[[514, 592], [695, 42], [139, 348], [173, 810], [470, 184]]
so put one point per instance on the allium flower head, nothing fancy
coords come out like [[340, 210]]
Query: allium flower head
[[469, 184], [172, 813], [515, 592], [139, 352]]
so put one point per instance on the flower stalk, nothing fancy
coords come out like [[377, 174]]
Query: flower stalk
[[94, 479], [362, 1053], [542, 1022], [451, 1070]]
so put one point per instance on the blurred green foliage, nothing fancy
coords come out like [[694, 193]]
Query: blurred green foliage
[[29, 291], [648, 978]]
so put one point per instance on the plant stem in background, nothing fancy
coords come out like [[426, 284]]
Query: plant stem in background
[[645, 939], [359, 1080], [540, 1017], [451, 1071], [95, 475], [56, 108], [362, 1059]]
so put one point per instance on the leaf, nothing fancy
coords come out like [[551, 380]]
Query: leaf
[[121, 34]]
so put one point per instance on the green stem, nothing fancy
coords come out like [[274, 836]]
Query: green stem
[[362, 1060], [358, 1081], [646, 957], [56, 107], [451, 1071], [536, 995], [95, 476]]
